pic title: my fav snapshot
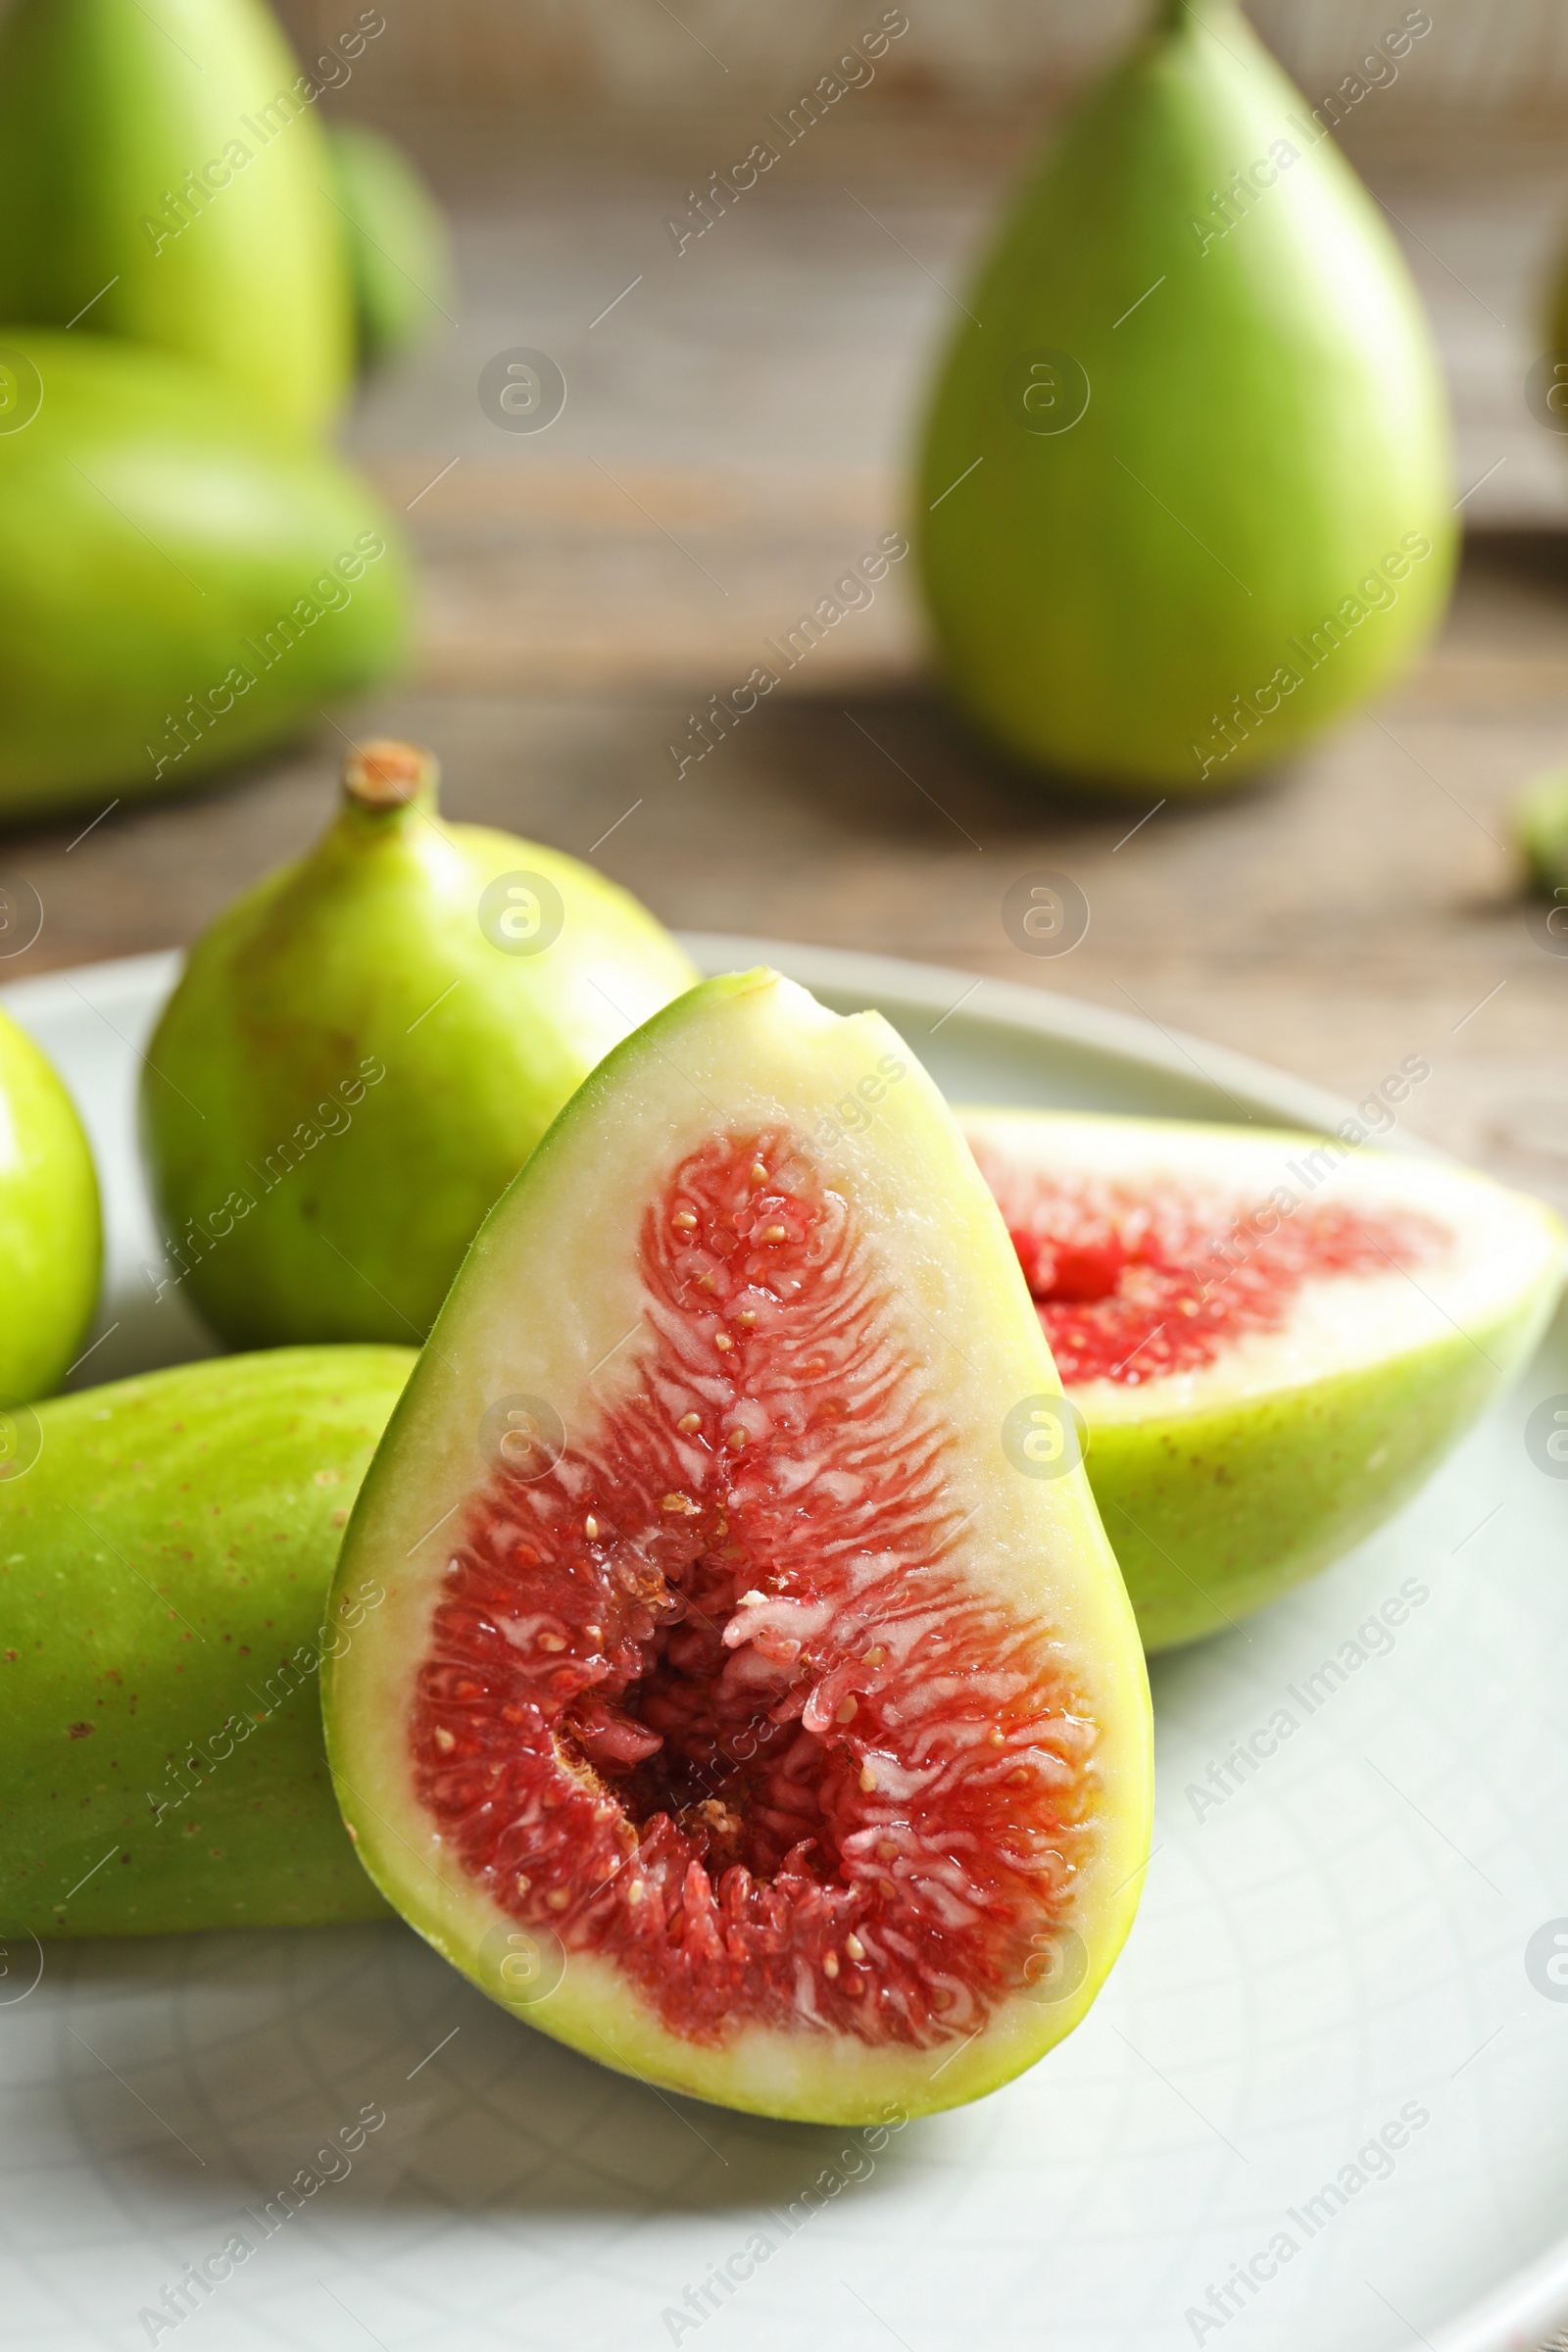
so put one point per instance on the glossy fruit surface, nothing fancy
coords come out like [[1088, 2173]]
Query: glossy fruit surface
[[399, 253], [747, 1709], [1541, 826], [164, 1556], [182, 582], [51, 1234], [364, 1048], [1274, 1338], [1186, 489], [163, 172]]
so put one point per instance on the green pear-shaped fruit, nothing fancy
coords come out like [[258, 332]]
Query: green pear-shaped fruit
[[1273, 1339], [1186, 488], [1547, 387], [51, 1236], [1541, 827], [163, 172], [744, 1710], [182, 582], [165, 1548], [364, 1048], [399, 251]]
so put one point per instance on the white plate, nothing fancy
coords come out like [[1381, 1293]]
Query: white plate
[[1342, 1939]]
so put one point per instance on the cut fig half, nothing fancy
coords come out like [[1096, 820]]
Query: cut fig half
[[755, 1704], [1273, 1339]]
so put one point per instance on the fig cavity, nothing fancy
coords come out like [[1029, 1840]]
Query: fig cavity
[[1273, 1339], [745, 1709]]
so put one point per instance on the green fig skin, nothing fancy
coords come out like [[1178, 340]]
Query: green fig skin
[[164, 1573], [166, 167], [1541, 827], [51, 1231], [1132, 600], [1215, 1515], [349, 1071], [549, 1287], [1222, 1489], [182, 582], [399, 253]]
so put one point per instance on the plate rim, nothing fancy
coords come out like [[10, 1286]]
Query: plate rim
[[1518, 2314], [1128, 1038]]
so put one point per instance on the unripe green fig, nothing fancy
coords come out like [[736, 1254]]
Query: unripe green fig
[[366, 1048], [1186, 488], [399, 253], [163, 172], [165, 1548], [182, 580], [1546, 388], [1541, 827], [51, 1235]]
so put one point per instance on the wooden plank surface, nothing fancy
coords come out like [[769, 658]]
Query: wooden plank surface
[[732, 440]]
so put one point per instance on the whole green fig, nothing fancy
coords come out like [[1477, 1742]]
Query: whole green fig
[[366, 1048], [162, 170], [1541, 828], [1185, 492], [164, 1556], [182, 580], [51, 1236], [399, 253]]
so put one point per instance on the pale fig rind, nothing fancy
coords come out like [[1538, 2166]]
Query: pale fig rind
[[549, 1305], [1224, 1488]]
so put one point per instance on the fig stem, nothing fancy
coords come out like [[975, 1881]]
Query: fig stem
[[1173, 15], [384, 775]]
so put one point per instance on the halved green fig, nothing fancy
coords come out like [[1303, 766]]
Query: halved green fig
[[166, 1546], [51, 1233], [1272, 1337], [365, 1048], [745, 1709]]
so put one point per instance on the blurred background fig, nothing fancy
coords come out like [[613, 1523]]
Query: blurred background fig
[[399, 251], [1186, 488], [1541, 828], [182, 579], [166, 173]]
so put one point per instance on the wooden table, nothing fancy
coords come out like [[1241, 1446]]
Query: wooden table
[[731, 441]]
